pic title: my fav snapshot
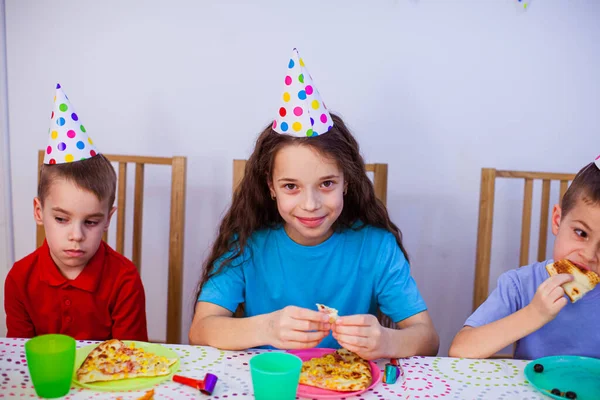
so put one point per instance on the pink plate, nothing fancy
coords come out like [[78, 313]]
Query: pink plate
[[316, 393]]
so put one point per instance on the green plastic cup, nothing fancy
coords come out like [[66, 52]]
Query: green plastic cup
[[51, 360], [275, 376]]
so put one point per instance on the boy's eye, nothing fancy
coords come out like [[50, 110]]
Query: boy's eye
[[91, 223], [59, 220], [580, 233], [290, 186]]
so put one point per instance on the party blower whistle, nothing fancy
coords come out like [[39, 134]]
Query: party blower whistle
[[206, 385]]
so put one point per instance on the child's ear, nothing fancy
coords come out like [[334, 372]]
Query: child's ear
[[110, 214], [556, 216], [37, 211]]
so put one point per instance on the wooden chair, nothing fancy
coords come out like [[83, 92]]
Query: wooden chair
[[380, 175], [486, 216], [177, 218]]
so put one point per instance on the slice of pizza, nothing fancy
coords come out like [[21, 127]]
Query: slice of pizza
[[332, 312], [583, 282], [114, 360], [342, 371]]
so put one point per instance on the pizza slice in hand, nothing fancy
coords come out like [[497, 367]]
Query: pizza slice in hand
[[332, 312], [582, 283]]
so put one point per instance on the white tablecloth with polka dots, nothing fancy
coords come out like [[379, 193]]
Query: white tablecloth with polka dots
[[425, 377]]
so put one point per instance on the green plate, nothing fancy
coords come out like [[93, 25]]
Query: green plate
[[127, 384], [566, 373]]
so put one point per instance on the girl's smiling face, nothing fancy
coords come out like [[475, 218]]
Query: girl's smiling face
[[309, 189]]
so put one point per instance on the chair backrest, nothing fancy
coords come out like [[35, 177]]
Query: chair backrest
[[486, 216], [177, 218], [380, 177]]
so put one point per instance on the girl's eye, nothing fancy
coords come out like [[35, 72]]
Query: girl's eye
[[327, 184], [581, 233], [289, 186]]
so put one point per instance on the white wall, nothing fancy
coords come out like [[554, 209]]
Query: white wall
[[437, 89], [6, 231]]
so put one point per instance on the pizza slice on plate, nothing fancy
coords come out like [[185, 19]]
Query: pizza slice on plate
[[114, 360], [342, 371]]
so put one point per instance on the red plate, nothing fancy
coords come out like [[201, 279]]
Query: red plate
[[316, 393]]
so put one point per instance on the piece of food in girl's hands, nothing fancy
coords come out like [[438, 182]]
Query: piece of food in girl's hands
[[582, 283], [113, 360], [342, 371], [332, 312]]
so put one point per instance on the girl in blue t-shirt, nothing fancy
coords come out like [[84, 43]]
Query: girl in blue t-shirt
[[305, 227]]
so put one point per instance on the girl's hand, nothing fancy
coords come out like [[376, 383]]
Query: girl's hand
[[361, 334], [297, 328], [549, 298]]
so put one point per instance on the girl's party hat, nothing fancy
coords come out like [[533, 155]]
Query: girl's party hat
[[68, 140], [302, 111]]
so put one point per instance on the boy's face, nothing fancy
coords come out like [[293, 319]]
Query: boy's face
[[309, 190], [578, 235], [74, 220]]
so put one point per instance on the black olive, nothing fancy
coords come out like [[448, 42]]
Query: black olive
[[556, 392], [538, 368], [571, 395]]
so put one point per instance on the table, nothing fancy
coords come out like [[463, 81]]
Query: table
[[425, 377]]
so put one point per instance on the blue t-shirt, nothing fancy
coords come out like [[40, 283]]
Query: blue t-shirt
[[353, 271], [574, 331]]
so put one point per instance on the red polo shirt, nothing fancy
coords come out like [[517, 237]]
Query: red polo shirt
[[105, 301]]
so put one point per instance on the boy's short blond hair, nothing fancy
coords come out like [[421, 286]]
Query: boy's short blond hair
[[585, 187], [95, 174]]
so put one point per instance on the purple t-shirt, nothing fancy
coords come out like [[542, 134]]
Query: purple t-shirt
[[574, 331]]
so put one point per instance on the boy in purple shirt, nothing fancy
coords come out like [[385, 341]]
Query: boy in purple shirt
[[529, 307]]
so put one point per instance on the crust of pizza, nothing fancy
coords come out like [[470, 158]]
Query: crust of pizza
[[582, 283], [113, 360], [149, 395], [332, 312], [342, 371]]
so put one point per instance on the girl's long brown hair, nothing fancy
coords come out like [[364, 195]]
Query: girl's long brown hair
[[253, 209]]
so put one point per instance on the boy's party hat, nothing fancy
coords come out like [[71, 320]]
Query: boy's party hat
[[68, 140], [597, 162], [302, 111]]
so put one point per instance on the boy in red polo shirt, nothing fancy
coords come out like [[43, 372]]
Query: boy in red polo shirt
[[74, 284]]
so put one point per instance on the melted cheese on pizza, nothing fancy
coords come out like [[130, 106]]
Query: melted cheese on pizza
[[113, 360], [341, 371]]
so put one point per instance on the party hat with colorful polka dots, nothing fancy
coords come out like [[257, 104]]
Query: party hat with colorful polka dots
[[68, 141], [302, 111]]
